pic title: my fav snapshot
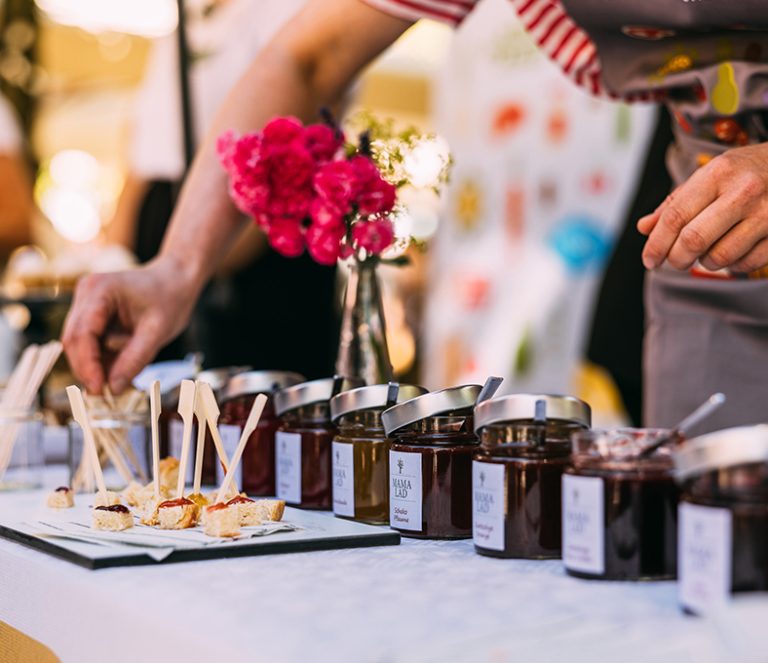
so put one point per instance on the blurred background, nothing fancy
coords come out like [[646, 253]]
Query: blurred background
[[93, 119]]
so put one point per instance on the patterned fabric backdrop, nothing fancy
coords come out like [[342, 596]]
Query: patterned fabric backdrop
[[542, 177]]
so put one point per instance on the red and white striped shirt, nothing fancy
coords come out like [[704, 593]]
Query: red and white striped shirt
[[545, 20]]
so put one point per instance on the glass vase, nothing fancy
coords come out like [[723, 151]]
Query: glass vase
[[363, 350]]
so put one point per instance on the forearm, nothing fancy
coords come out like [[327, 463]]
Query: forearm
[[206, 221], [306, 66]]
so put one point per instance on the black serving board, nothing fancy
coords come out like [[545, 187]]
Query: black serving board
[[320, 530]]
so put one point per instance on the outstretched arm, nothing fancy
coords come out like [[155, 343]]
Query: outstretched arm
[[119, 321]]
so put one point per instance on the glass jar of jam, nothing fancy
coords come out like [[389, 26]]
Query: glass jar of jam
[[619, 507], [256, 472], [517, 473], [430, 463], [360, 451], [723, 516], [303, 441]]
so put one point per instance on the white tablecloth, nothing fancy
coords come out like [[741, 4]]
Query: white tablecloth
[[415, 602]]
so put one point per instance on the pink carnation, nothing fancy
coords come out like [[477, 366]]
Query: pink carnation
[[286, 237], [376, 195], [283, 130], [373, 236], [323, 141], [324, 244], [336, 185], [325, 215]]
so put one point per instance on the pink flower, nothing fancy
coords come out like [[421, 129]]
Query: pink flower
[[286, 237], [365, 169], [322, 141], [377, 198], [373, 236], [336, 185], [325, 215], [324, 244], [376, 195], [283, 130], [225, 148]]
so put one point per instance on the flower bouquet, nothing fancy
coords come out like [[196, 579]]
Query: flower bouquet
[[309, 189]]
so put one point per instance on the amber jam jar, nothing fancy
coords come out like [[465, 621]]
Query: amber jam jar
[[620, 509], [256, 473], [360, 451], [430, 463], [723, 526], [517, 473], [303, 441]]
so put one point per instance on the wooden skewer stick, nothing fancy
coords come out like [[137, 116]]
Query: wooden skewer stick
[[109, 399], [110, 447], [155, 409], [20, 374], [134, 401], [250, 426], [211, 410], [21, 395], [122, 438], [79, 414], [186, 410], [200, 449]]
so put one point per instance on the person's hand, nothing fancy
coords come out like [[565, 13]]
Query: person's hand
[[719, 216], [119, 321]]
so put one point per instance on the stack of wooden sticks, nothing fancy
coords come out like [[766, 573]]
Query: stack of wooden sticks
[[20, 394]]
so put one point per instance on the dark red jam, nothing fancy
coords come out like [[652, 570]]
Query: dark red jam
[[181, 501], [303, 457], [633, 502], [216, 507], [114, 508], [62, 489], [258, 461], [430, 469], [239, 500], [740, 494]]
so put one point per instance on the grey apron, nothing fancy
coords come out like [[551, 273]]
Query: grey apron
[[709, 58]]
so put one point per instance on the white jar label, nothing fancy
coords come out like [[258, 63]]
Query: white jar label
[[230, 437], [704, 556], [175, 441], [488, 504], [405, 496], [583, 524], [343, 479], [288, 466]]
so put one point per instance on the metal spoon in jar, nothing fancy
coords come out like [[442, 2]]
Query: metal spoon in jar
[[695, 417], [489, 389]]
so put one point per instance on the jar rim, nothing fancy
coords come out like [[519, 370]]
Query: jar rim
[[434, 403], [722, 449], [522, 407]]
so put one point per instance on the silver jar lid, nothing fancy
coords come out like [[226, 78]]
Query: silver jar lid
[[259, 382], [430, 405], [721, 449], [373, 396], [314, 391], [218, 378], [522, 407]]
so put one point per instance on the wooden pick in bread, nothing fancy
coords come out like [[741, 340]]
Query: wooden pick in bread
[[187, 412], [155, 409], [250, 426], [80, 415], [200, 448], [211, 409]]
